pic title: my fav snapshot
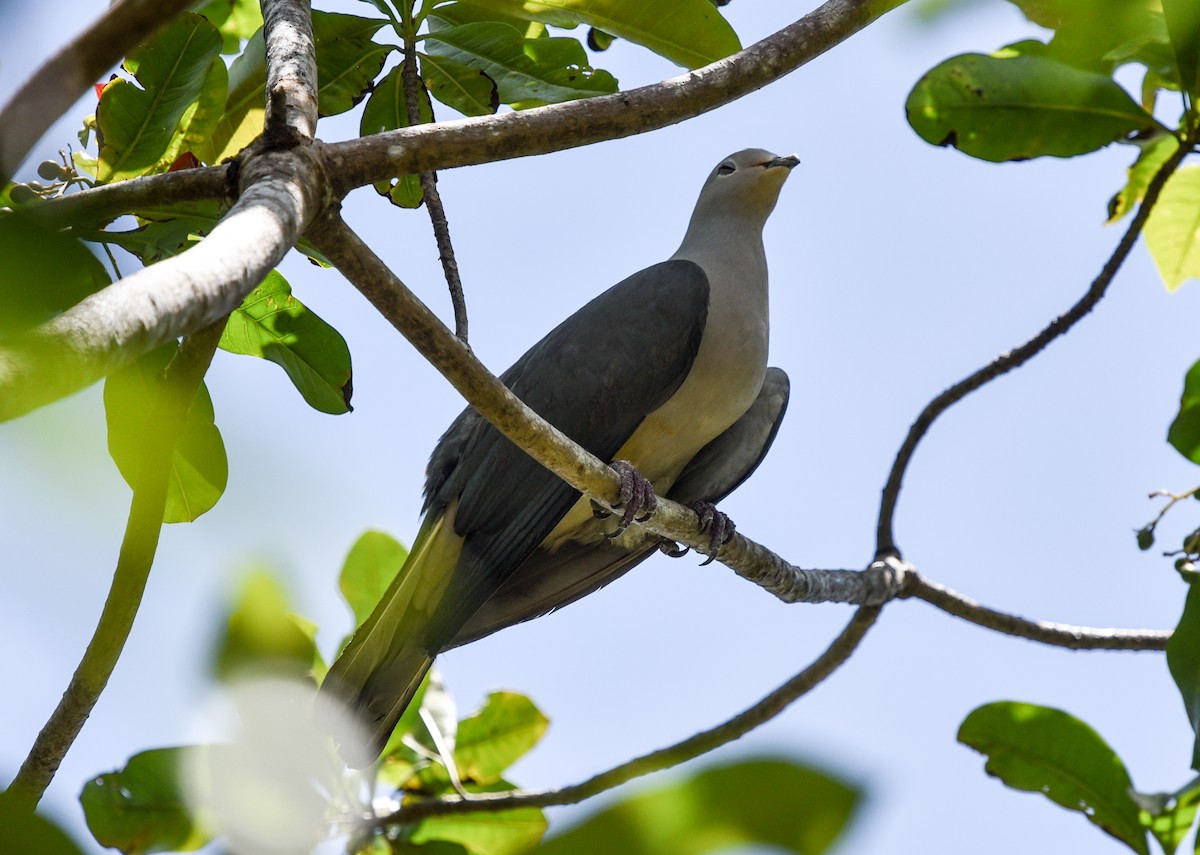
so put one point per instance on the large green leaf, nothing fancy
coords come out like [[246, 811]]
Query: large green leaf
[[1184, 433], [43, 273], [262, 635], [1018, 107], [539, 70], [138, 122], [1048, 751], [370, 566], [274, 325], [140, 808], [200, 119], [234, 19], [1100, 35], [497, 736], [1173, 230], [690, 33], [386, 110], [1151, 157], [1183, 27], [347, 59], [199, 468], [460, 87], [245, 103], [763, 801], [1183, 658]]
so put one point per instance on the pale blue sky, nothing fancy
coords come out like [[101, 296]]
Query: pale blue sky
[[896, 269]]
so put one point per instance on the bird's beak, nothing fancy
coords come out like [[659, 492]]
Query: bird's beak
[[787, 162]]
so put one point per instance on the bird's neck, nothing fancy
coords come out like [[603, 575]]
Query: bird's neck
[[725, 244]]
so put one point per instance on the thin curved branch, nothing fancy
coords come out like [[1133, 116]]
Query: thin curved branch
[[885, 542], [664, 758], [64, 77], [557, 452], [171, 298], [1057, 634], [164, 425], [291, 73]]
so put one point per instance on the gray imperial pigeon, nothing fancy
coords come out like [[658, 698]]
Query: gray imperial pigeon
[[664, 374]]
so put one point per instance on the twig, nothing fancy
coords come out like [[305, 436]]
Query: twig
[[1057, 634], [557, 452], [164, 425], [664, 758], [60, 81], [291, 116], [885, 543], [433, 199]]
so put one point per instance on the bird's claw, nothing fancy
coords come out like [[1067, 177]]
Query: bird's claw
[[716, 525], [636, 499]]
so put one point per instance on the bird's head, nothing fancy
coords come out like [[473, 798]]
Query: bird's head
[[746, 184]]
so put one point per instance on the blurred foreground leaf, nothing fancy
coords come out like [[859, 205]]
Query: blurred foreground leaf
[[1183, 658], [22, 831], [1171, 233], [767, 801], [262, 635]]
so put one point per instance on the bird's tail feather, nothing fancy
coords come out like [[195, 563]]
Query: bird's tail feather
[[377, 674]]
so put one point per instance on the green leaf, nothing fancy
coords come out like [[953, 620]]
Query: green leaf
[[1169, 816], [1183, 27], [1184, 433], [497, 736], [1183, 659], [200, 119], [1048, 751], [1151, 157], [370, 566], [460, 87], [690, 33], [387, 110], [245, 104], [164, 231], [274, 325], [141, 808], [1173, 229], [547, 70], [764, 801], [1099, 35], [44, 272], [510, 832], [1018, 107], [453, 14], [22, 831], [199, 468], [138, 123], [236, 20], [347, 59], [263, 636]]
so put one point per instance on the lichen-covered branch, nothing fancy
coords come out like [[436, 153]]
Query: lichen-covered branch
[[291, 73]]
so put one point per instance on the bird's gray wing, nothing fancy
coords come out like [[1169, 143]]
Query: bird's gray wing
[[595, 377], [550, 580]]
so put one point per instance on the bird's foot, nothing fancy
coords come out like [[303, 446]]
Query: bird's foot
[[636, 500], [716, 525]]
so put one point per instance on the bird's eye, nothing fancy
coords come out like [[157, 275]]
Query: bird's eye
[[726, 168]]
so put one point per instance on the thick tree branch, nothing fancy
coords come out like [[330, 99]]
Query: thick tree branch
[[171, 298], [291, 73], [54, 87], [557, 452], [701, 743], [576, 123], [1057, 634], [163, 427], [885, 542], [442, 145]]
